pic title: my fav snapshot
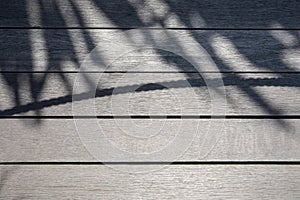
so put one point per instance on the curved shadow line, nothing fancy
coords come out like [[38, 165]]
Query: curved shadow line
[[229, 80]]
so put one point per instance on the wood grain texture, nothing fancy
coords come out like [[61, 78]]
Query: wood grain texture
[[42, 140], [174, 182], [149, 13], [126, 94], [231, 51], [24, 49]]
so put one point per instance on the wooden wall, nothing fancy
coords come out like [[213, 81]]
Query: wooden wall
[[251, 151]]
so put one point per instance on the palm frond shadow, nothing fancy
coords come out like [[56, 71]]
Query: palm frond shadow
[[126, 14]]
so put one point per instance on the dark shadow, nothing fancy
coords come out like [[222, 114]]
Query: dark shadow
[[59, 45], [229, 80]]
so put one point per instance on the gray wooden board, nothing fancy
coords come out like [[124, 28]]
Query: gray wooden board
[[126, 94], [173, 182], [61, 50], [68, 140], [149, 13], [233, 51]]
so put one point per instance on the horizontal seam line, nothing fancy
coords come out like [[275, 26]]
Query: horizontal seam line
[[150, 28], [159, 117], [160, 163], [149, 72]]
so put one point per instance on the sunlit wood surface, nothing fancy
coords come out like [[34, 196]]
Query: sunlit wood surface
[[254, 152]]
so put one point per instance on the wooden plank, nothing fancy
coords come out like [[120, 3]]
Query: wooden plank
[[231, 51], [169, 13], [42, 140], [126, 94], [182, 182]]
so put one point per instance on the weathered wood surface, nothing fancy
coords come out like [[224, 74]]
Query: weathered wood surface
[[43, 140], [125, 94], [26, 46], [173, 182], [169, 13], [231, 51]]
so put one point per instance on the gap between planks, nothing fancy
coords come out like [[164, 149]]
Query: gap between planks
[[152, 28], [262, 162], [159, 117]]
